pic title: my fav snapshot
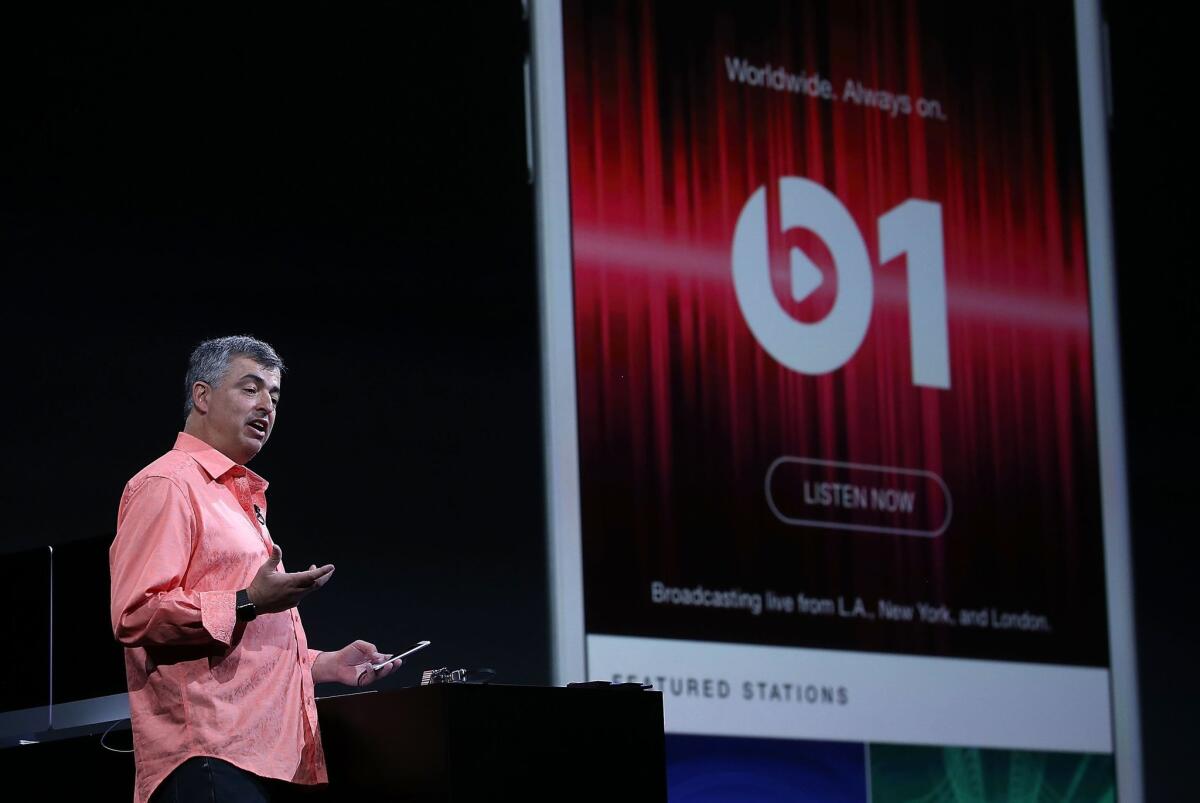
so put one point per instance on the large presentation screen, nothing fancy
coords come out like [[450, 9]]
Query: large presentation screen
[[837, 459]]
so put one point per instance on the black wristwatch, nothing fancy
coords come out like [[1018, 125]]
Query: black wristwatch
[[245, 608]]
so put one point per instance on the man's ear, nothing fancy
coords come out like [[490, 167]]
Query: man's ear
[[201, 391]]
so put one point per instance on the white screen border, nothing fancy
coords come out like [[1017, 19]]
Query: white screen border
[[560, 425], [1093, 121]]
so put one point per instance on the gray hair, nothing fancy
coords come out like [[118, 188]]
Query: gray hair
[[210, 361]]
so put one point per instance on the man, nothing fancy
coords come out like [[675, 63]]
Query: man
[[219, 670]]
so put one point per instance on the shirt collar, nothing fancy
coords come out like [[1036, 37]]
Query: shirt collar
[[211, 460]]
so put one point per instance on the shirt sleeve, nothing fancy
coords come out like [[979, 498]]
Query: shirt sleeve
[[156, 530], [311, 658]]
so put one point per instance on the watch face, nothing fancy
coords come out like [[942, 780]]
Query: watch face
[[244, 607]]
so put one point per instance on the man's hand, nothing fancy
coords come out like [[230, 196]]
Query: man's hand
[[351, 665], [272, 591]]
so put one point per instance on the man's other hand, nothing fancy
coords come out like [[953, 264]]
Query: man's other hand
[[274, 591]]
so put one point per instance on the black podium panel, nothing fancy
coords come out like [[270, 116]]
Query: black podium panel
[[460, 742]]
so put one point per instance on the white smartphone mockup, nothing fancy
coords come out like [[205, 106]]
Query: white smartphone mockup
[[786, 255]]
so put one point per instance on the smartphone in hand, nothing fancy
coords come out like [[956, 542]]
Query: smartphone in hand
[[420, 645]]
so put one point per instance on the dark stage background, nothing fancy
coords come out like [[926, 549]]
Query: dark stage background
[[350, 184]]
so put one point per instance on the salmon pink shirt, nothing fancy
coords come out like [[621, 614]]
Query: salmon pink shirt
[[191, 532]]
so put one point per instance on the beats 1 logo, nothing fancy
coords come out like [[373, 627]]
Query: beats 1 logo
[[914, 228]]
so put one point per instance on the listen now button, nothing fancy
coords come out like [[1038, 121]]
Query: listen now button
[[828, 494]]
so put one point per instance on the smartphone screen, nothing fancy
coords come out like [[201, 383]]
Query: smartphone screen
[[833, 423]]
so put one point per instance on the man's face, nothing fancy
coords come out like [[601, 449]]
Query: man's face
[[241, 409]]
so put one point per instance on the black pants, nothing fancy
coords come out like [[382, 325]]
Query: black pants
[[210, 780]]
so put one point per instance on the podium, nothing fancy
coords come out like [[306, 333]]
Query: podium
[[465, 742]]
